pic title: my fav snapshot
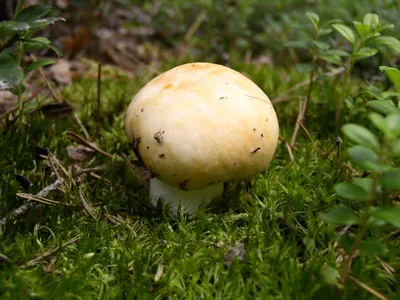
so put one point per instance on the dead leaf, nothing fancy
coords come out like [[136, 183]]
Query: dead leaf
[[57, 109], [236, 251], [80, 153], [61, 71], [8, 101], [63, 4]]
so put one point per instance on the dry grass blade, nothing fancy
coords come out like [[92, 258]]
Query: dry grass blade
[[76, 138], [304, 83], [388, 268], [196, 24], [55, 96], [159, 273], [88, 207], [78, 120], [289, 148], [300, 117], [49, 253], [368, 289], [93, 169], [113, 219], [38, 199], [59, 164], [306, 131]]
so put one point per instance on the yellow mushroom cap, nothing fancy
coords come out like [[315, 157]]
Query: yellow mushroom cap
[[201, 123]]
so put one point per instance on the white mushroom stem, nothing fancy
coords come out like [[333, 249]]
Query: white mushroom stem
[[189, 200]]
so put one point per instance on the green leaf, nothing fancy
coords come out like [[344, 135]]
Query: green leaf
[[360, 155], [40, 43], [352, 191], [19, 89], [346, 32], [365, 183], [386, 107], [393, 125], [374, 92], [365, 52], [378, 121], [38, 64], [362, 29], [388, 26], [10, 71], [391, 179], [56, 50], [390, 215], [9, 27], [304, 68], [346, 241], [361, 135], [378, 167], [396, 148], [33, 12], [336, 52], [314, 18], [324, 31], [298, 44], [393, 74], [389, 95], [44, 22], [330, 275], [334, 59], [371, 247], [371, 20], [36, 43], [321, 45], [388, 41], [340, 214]]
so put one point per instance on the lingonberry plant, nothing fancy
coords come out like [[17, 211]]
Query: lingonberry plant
[[378, 155], [364, 41], [16, 38]]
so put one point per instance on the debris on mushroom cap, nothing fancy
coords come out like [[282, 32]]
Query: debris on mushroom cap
[[211, 123]]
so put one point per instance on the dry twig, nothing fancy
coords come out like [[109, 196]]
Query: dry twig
[[368, 289], [27, 206]]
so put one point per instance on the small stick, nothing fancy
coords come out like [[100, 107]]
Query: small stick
[[73, 136], [196, 24], [289, 148], [88, 207], [49, 253], [47, 82], [368, 289], [85, 132], [300, 117], [26, 206], [306, 82], [98, 90], [306, 131], [52, 157]]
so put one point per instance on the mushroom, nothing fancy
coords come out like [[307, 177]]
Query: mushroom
[[197, 126]]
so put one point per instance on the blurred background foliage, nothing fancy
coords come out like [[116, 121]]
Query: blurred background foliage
[[212, 30]]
